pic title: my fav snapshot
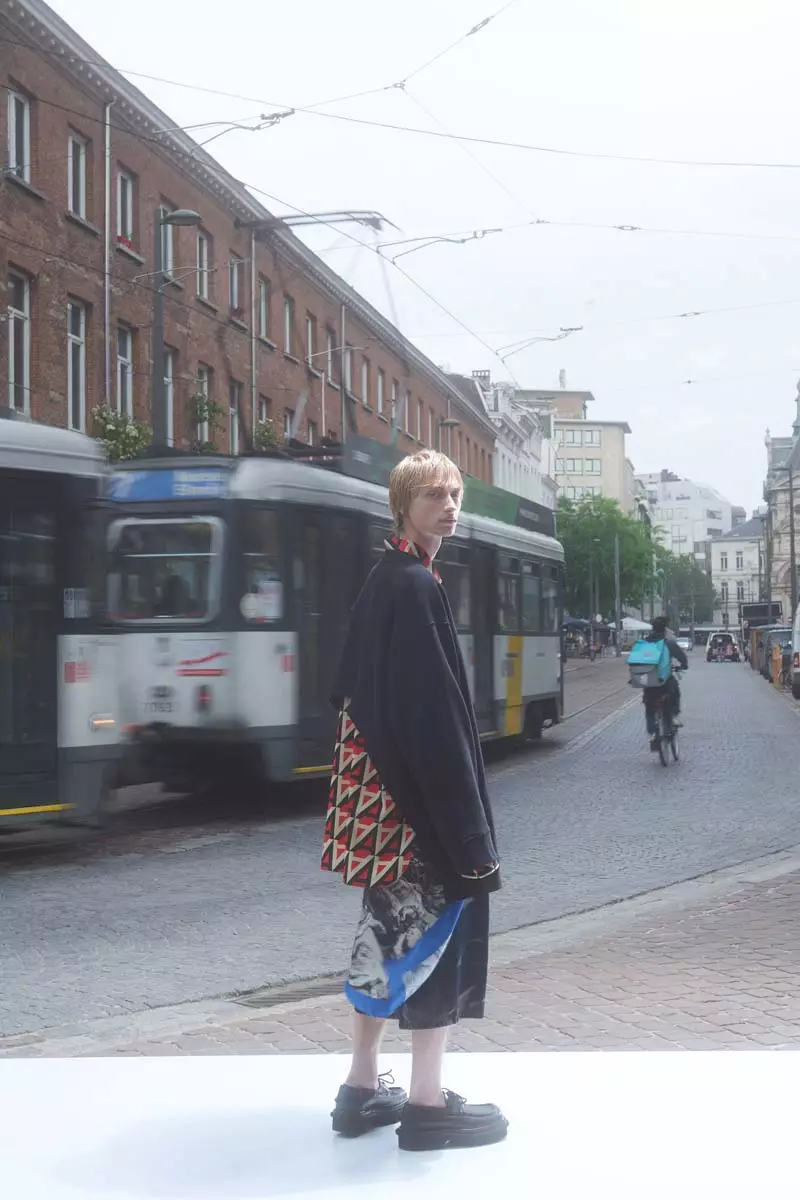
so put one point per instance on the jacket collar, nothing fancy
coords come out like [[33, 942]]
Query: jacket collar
[[404, 546]]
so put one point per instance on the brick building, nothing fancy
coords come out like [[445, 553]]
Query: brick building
[[255, 323]]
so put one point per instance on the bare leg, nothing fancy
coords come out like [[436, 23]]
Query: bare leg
[[427, 1057], [367, 1035]]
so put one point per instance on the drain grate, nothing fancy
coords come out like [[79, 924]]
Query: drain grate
[[269, 997]]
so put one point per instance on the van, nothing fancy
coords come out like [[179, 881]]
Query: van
[[722, 647]]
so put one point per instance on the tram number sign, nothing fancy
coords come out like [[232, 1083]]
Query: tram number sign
[[161, 700]]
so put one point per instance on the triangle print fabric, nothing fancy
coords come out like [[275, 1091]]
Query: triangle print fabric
[[366, 840]]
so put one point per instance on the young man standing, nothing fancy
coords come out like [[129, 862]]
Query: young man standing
[[409, 822]]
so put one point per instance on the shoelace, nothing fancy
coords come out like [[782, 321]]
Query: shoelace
[[385, 1081]]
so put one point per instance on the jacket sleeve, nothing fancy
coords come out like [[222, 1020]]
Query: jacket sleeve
[[432, 730], [676, 652]]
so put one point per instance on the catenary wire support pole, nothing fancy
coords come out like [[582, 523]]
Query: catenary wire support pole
[[617, 598]]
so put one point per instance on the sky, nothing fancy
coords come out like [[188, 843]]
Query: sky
[[710, 81]]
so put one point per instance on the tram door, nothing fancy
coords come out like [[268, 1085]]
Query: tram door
[[328, 573], [483, 628], [29, 622]]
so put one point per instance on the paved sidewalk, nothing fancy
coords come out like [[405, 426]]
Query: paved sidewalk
[[712, 964]]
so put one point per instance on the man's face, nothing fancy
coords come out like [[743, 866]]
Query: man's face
[[435, 509]]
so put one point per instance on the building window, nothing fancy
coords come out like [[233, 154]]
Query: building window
[[124, 371], [348, 368], [591, 437], [592, 466], [739, 560], [407, 412], [204, 384], [723, 558], [381, 390], [395, 395], [288, 325], [76, 175], [560, 466], [330, 350], [288, 423], [311, 339], [431, 426], [574, 466], [167, 240], [234, 406], [311, 434], [203, 264], [724, 593], [740, 591], [420, 416], [19, 136], [365, 382], [263, 308], [236, 282], [169, 393], [264, 409], [76, 365], [19, 341], [572, 437], [126, 192]]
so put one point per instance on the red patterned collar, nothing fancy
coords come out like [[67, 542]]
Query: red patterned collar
[[395, 542]]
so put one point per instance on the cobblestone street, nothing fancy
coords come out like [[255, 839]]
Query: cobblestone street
[[625, 921]]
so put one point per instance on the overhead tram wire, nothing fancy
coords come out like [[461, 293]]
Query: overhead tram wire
[[309, 110]]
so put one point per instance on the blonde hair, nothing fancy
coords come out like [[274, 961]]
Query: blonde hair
[[426, 468]]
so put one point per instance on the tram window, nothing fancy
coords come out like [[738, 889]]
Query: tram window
[[550, 599], [508, 605], [452, 564], [263, 599], [165, 569], [531, 598]]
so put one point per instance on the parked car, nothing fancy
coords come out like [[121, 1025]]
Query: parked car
[[722, 647], [796, 655], [686, 644], [759, 657], [780, 637]]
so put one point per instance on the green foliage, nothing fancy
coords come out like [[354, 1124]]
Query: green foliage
[[265, 436], [204, 412], [122, 437], [682, 586], [587, 530]]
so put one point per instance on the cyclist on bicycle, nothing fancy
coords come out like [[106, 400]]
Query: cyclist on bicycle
[[670, 689]]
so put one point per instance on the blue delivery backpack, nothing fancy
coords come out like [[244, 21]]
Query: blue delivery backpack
[[650, 664]]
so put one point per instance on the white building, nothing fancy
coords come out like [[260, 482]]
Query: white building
[[523, 455], [687, 516], [737, 569], [591, 456]]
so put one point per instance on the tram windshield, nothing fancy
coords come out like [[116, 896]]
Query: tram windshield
[[165, 569]]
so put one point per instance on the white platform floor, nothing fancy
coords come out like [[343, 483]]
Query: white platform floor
[[624, 1126]]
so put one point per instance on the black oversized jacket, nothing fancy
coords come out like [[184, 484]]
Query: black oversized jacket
[[403, 674]]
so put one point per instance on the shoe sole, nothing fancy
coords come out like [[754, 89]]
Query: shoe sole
[[457, 1139], [353, 1125]]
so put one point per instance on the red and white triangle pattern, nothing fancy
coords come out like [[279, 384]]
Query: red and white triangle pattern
[[366, 840]]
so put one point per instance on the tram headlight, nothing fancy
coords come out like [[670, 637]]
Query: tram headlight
[[101, 723]]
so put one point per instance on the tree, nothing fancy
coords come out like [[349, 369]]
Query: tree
[[687, 593], [265, 436], [123, 437], [587, 530]]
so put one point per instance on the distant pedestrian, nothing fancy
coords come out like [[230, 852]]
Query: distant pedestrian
[[409, 822]]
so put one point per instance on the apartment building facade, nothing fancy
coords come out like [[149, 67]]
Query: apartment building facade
[[257, 327], [687, 516]]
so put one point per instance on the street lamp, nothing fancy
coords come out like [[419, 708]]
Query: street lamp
[[180, 217], [445, 423]]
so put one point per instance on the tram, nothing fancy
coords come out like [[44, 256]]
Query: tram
[[230, 585], [58, 730]]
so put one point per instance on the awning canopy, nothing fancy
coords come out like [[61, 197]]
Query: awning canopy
[[634, 626]]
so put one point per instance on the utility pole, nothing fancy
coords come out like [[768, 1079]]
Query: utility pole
[[617, 598], [792, 555]]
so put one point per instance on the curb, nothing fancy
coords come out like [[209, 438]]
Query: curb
[[106, 1034]]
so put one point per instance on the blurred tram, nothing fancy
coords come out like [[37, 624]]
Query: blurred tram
[[58, 729], [230, 586]]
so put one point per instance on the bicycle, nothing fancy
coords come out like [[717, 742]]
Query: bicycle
[[666, 735]]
